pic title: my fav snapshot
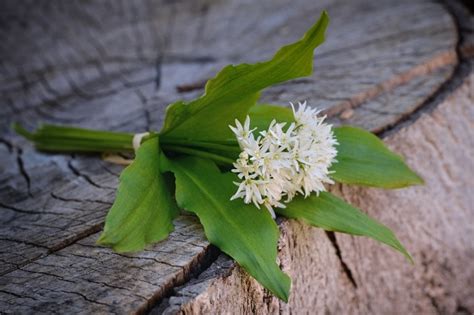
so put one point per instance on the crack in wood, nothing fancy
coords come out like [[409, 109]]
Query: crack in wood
[[78, 237], [434, 303], [7, 144], [144, 103], [3, 238], [54, 196], [461, 309], [16, 209], [158, 70], [19, 296], [206, 259], [23, 172], [87, 178], [48, 274], [345, 268], [105, 167], [78, 294], [108, 285]]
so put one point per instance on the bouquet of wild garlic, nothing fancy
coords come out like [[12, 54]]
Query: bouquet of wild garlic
[[224, 156]]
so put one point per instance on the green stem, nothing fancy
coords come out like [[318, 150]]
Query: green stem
[[202, 144], [198, 153], [70, 139]]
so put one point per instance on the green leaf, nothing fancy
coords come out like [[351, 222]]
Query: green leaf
[[247, 234], [363, 159], [235, 89], [261, 115], [143, 209], [333, 214]]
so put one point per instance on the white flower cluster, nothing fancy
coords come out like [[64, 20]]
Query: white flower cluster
[[282, 162]]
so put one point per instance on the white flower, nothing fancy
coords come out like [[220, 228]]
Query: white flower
[[282, 162], [242, 132]]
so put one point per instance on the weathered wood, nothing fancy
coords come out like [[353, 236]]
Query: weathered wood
[[89, 278], [116, 65]]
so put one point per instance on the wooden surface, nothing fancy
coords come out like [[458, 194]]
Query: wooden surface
[[116, 65]]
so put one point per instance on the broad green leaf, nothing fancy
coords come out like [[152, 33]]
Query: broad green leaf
[[235, 89], [333, 214], [247, 234], [261, 115], [143, 209], [363, 159]]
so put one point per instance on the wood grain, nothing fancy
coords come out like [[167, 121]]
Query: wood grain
[[116, 65]]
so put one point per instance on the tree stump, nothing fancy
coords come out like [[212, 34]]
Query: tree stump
[[398, 68]]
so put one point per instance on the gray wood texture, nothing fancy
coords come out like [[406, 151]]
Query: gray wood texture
[[117, 64]]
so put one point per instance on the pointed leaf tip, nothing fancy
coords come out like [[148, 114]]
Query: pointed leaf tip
[[231, 93], [19, 129], [363, 159]]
